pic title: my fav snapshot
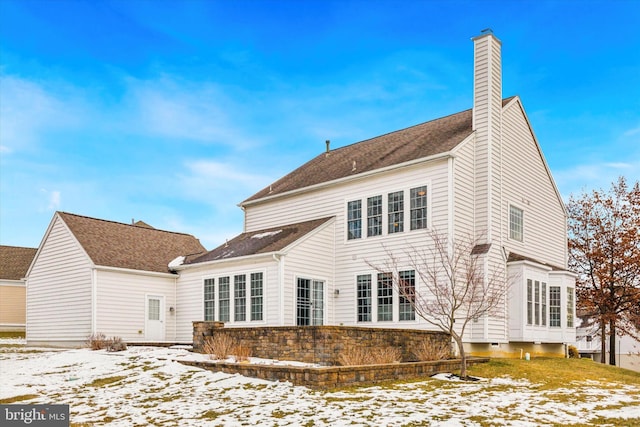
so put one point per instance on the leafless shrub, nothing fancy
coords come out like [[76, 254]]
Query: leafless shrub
[[241, 353], [386, 355], [116, 344], [219, 347], [573, 352], [360, 355], [428, 350], [97, 341]]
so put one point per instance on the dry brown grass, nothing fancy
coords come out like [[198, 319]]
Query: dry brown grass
[[219, 347], [241, 353], [97, 341], [428, 351], [358, 355]]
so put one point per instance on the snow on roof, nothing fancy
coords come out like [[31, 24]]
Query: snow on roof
[[267, 234]]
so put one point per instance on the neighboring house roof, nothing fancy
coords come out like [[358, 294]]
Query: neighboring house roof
[[132, 246], [415, 142], [259, 242], [15, 261]]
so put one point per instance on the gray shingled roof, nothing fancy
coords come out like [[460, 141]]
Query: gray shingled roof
[[259, 242], [424, 140], [137, 247], [15, 261], [513, 257]]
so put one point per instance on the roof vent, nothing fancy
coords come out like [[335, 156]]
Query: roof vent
[[353, 167], [328, 142]]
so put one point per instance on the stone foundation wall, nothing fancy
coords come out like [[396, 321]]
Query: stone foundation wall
[[315, 344], [337, 376]]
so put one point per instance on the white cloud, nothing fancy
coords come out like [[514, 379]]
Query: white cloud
[[54, 200], [196, 111], [28, 109]]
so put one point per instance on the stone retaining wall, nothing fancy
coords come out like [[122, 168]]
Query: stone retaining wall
[[337, 376], [315, 344]]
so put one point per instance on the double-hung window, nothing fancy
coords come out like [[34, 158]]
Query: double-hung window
[[240, 297], [544, 304], [374, 216], [529, 302], [418, 198], [569, 307], [354, 219], [516, 223], [223, 298], [395, 212], [209, 299], [406, 299], [364, 297], [385, 297], [256, 296], [554, 306], [536, 311]]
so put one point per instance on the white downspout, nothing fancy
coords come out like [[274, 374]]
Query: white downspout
[[280, 260], [94, 301]]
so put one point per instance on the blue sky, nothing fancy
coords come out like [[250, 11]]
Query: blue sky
[[174, 112]]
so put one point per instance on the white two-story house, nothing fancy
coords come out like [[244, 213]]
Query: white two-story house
[[302, 258]]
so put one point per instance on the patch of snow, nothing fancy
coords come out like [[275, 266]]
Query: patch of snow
[[147, 386], [266, 234]]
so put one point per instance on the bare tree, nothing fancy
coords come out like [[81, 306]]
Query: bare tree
[[455, 287]]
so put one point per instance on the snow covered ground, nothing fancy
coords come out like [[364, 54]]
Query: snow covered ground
[[147, 386]]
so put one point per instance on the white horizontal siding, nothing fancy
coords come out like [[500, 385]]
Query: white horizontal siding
[[59, 290], [351, 256], [313, 258], [526, 184], [190, 293], [121, 303]]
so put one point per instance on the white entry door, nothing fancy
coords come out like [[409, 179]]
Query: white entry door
[[154, 325]]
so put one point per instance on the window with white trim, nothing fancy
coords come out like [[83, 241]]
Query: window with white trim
[[256, 296], [529, 302], [544, 304], [406, 299], [223, 299], [569, 307], [354, 219], [209, 299], [240, 297], [374, 216], [365, 305], [516, 223], [554, 306], [418, 201], [385, 297], [395, 208], [386, 217], [536, 305]]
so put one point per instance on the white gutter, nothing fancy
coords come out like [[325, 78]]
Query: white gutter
[[132, 271], [349, 178]]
